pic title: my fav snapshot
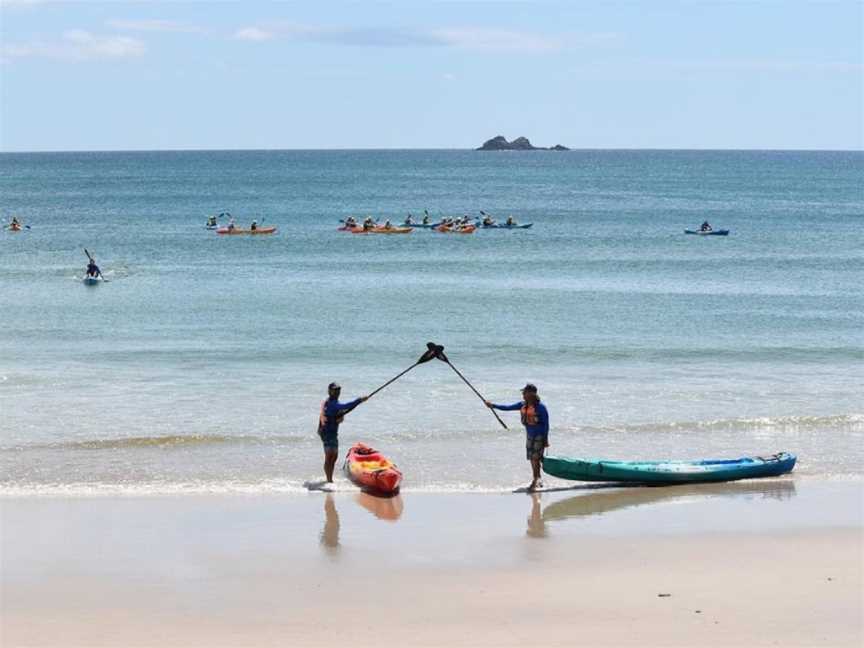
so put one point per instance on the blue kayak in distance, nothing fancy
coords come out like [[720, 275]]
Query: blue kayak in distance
[[505, 226], [91, 281], [708, 233], [421, 225], [669, 472]]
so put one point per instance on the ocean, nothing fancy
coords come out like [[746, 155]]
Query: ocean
[[201, 365]]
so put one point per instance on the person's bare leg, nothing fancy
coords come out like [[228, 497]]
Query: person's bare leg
[[535, 469], [329, 463]]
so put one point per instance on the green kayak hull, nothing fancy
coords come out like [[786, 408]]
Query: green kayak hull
[[669, 472]]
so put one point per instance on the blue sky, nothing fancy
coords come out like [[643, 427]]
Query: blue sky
[[120, 75]]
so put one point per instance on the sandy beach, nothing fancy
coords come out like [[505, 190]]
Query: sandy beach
[[742, 564]]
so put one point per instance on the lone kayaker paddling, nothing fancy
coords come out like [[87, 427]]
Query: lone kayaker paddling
[[93, 271], [332, 414], [535, 418]]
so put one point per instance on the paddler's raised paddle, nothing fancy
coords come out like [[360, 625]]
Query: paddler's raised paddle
[[426, 357], [439, 353]]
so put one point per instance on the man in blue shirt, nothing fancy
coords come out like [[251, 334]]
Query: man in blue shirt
[[535, 418], [332, 413]]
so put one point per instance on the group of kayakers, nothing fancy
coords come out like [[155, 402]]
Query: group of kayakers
[[368, 224], [465, 222], [212, 222], [534, 416]]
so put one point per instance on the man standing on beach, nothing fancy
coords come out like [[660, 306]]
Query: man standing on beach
[[332, 413], [535, 418]]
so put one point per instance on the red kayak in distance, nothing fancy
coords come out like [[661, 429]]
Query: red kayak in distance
[[371, 470]]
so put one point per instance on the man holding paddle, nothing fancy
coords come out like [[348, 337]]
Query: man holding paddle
[[535, 418], [93, 270], [332, 413]]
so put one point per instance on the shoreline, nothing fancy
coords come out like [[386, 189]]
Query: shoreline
[[764, 562]]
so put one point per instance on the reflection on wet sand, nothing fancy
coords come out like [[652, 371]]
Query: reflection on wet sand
[[608, 500], [330, 533], [536, 523], [383, 508]]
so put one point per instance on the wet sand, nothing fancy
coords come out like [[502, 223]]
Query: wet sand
[[746, 564]]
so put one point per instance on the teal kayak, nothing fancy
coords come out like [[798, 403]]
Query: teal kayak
[[91, 281], [669, 472], [708, 232]]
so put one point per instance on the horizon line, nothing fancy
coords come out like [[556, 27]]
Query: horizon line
[[474, 150]]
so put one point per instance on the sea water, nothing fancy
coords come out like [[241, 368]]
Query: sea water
[[201, 364]]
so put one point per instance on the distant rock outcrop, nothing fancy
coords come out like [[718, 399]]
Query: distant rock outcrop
[[500, 143]]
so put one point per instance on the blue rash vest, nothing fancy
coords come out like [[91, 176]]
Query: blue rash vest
[[330, 418]]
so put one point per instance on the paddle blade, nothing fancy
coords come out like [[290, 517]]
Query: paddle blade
[[429, 353], [89, 256], [438, 352]]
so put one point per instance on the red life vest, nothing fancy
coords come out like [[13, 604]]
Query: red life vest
[[529, 415]]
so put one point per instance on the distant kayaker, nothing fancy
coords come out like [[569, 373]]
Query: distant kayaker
[[409, 220], [388, 225], [706, 227], [211, 221], [253, 226], [535, 418], [231, 225], [92, 269], [510, 221], [487, 221], [426, 219], [332, 413]]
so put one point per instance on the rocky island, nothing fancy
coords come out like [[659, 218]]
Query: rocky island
[[500, 143]]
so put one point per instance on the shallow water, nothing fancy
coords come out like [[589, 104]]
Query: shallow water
[[201, 364]]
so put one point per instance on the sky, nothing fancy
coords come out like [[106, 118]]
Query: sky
[[764, 74]]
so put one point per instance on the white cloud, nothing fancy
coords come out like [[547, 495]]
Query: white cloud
[[474, 38], [253, 34], [19, 3], [76, 45], [152, 26], [496, 39]]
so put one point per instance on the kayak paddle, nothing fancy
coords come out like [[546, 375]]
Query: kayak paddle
[[439, 353], [426, 357]]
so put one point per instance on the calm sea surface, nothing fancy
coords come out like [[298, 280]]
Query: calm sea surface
[[201, 365]]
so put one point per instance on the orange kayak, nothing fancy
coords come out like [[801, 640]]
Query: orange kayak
[[381, 230], [237, 230], [467, 229], [371, 470]]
